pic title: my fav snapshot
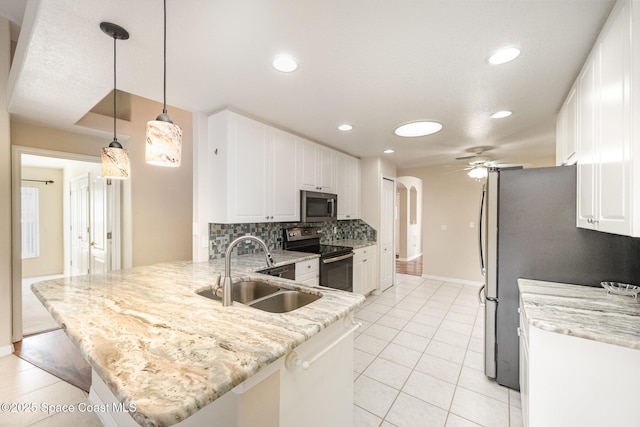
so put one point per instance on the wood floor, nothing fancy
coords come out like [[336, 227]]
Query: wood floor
[[413, 267], [55, 353]]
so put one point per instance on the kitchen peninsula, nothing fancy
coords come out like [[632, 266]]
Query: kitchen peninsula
[[180, 358]]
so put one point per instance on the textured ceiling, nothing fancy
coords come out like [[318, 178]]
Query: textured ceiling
[[374, 64]]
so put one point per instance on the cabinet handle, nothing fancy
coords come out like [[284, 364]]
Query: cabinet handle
[[292, 360]]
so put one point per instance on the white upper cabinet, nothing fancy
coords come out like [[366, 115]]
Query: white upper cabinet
[[608, 139], [251, 171], [566, 130], [256, 172], [347, 185], [316, 167]]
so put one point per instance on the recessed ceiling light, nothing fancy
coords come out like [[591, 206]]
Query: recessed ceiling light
[[504, 55], [345, 127], [285, 63], [421, 128], [389, 151], [501, 114]]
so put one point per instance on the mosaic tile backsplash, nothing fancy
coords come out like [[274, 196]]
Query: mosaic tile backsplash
[[220, 235]]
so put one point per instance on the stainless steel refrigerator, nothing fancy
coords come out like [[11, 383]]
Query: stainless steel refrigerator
[[528, 229]]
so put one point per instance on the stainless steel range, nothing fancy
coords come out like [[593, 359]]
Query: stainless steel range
[[336, 262]]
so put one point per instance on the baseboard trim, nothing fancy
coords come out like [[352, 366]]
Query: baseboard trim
[[453, 280], [6, 350], [409, 259]]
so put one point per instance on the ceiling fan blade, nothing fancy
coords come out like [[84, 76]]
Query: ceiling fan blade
[[470, 156]]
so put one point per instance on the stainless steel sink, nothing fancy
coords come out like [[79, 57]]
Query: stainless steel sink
[[284, 301], [265, 296], [245, 291]]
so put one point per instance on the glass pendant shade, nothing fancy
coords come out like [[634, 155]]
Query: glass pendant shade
[[164, 143], [115, 162], [478, 172]]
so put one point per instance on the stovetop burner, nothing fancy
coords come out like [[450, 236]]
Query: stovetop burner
[[307, 239]]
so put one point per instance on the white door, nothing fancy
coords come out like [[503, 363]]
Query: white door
[[95, 222], [99, 227], [387, 225], [80, 234]]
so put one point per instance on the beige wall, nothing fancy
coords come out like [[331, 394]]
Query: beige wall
[[6, 268], [51, 259], [452, 199], [160, 198]]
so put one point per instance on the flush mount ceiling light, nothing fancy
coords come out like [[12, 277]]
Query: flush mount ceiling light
[[114, 158], [345, 127], [285, 63], [389, 151], [420, 128], [501, 114], [504, 55], [164, 138]]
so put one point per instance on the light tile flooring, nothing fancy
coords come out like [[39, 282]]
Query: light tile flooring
[[419, 360], [23, 383], [35, 318], [418, 363]]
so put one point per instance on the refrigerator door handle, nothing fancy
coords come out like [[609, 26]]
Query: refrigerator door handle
[[481, 294], [482, 267]]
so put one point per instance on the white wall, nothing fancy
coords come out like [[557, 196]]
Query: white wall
[[411, 239]]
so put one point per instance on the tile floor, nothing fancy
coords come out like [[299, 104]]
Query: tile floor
[[35, 318], [419, 360]]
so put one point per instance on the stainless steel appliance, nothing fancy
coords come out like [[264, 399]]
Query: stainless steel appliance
[[287, 271], [336, 262], [529, 230], [316, 206]]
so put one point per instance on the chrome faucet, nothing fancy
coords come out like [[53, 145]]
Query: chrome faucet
[[227, 299]]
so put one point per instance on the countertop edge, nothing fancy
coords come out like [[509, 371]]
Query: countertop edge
[[581, 311]]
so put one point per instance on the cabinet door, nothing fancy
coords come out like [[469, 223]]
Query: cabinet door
[[359, 275], [248, 170], [284, 196], [588, 101], [307, 165], [352, 166], [613, 176], [566, 131], [340, 188], [324, 159]]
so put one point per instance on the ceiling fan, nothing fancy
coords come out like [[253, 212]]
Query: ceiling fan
[[480, 165]]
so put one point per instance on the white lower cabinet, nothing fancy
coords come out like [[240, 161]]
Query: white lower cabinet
[[308, 272], [571, 381], [364, 270], [282, 394]]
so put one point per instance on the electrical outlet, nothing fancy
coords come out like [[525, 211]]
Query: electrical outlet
[[335, 230]]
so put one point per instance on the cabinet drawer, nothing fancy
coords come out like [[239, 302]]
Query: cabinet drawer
[[305, 267]]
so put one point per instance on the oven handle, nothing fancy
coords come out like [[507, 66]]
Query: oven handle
[[338, 258]]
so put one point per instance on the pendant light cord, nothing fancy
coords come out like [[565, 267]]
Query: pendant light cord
[[114, 88], [164, 83]]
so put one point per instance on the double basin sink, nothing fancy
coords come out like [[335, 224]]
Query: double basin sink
[[265, 296]]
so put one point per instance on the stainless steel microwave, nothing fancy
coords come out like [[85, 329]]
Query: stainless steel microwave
[[316, 206]]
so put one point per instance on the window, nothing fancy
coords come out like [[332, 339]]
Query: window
[[30, 220]]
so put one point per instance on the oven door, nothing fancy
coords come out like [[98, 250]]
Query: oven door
[[337, 272]]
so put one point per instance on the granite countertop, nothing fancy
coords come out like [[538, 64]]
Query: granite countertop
[[157, 344], [582, 311], [355, 244], [256, 262]]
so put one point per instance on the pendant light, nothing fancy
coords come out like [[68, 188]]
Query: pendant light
[[164, 138], [115, 159]]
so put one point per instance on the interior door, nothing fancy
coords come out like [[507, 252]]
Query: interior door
[[387, 225], [99, 255], [79, 219]]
